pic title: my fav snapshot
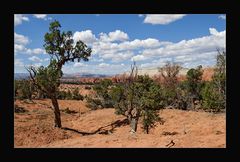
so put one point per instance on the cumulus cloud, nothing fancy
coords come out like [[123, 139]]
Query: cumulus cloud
[[222, 17], [116, 35], [192, 46], [86, 36], [213, 31], [191, 52], [124, 50], [162, 19], [150, 51], [20, 39], [35, 59], [35, 51], [18, 48], [102, 68], [117, 57], [103, 65], [19, 18], [79, 64], [22, 49], [20, 42], [138, 58], [18, 62], [42, 16]]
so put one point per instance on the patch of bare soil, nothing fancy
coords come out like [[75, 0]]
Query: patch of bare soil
[[102, 128]]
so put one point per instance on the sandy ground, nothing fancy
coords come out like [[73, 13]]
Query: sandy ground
[[187, 129]]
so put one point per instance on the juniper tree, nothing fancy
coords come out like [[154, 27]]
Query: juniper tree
[[76, 95], [62, 49], [139, 97], [169, 73], [23, 89], [214, 92], [101, 99], [194, 84]]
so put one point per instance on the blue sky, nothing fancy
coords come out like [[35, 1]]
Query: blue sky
[[118, 39]]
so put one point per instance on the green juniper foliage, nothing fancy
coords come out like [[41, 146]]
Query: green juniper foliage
[[139, 98], [214, 92], [102, 99], [62, 49]]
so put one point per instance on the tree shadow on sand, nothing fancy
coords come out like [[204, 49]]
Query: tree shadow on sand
[[108, 129]]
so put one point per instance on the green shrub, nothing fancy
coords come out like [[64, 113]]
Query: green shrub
[[93, 103], [141, 98], [76, 95], [23, 89], [102, 98]]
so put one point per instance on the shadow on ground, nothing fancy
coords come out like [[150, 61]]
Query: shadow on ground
[[108, 129]]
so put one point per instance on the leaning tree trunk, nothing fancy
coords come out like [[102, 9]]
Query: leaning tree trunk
[[56, 110], [134, 123], [134, 120]]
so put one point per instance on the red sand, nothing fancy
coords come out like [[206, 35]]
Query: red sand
[[191, 129]]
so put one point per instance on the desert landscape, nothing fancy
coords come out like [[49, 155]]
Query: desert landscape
[[109, 86], [187, 129]]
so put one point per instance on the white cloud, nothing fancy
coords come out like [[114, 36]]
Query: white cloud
[[35, 59], [213, 31], [20, 42], [79, 64], [162, 19], [86, 36], [19, 18], [18, 62], [36, 51], [117, 35], [222, 17], [96, 59], [140, 15], [119, 56], [124, 50], [40, 16], [46, 59], [193, 46], [102, 68], [138, 58], [103, 65], [19, 48], [20, 39], [189, 53]]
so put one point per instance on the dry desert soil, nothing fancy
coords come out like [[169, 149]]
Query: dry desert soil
[[84, 128]]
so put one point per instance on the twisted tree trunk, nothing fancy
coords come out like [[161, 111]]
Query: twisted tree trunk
[[56, 110]]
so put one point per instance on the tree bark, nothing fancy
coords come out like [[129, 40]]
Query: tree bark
[[134, 123], [56, 110], [134, 120]]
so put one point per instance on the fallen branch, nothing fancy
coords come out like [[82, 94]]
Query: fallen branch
[[170, 144]]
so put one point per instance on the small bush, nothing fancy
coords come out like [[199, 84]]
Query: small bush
[[62, 95], [68, 111], [76, 95], [102, 98], [23, 89], [94, 103]]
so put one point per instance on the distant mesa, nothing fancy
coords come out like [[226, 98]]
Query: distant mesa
[[152, 72]]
